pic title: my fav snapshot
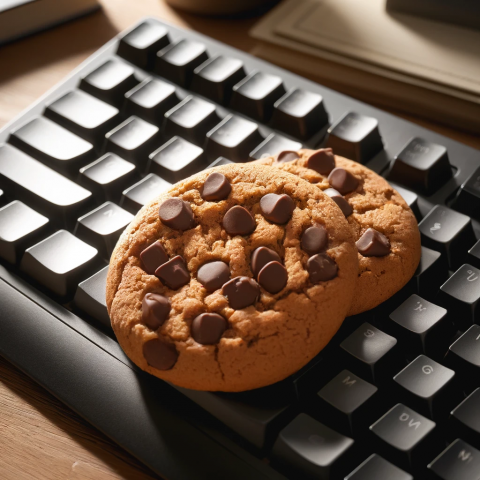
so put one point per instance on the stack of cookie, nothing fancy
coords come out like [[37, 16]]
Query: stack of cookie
[[238, 276]]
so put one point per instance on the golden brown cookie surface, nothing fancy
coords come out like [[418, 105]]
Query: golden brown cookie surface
[[257, 328], [369, 203]]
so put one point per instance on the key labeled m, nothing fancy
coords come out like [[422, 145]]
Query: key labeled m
[[349, 382]]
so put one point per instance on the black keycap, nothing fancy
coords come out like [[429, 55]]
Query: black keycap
[[191, 119], [176, 160], [427, 387], [377, 468], [135, 197], [150, 100], [177, 61], [218, 162], [141, 45], [35, 184], [404, 437], [468, 197], [255, 95], [299, 113], [346, 403], [422, 327], [448, 232], [53, 145], [110, 82], [215, 78], [84, 115], [355, 136], [422, 166], [103, 226], [272, 145], [134, 140], [474, 255], [410, 197], [90, 297], [459, 461], [60, 262], [107, 177], [234, 137], [370, 353], [20, 227], [460, 295], [306, 448], [464, 357], [465, 420]]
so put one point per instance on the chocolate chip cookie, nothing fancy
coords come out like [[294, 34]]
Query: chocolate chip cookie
[[384, 227], [233, 279]]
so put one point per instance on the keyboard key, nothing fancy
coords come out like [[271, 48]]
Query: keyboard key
[[448, 232], [460, 295], [307, 448], [474, 255], [134, 140], [107, 177], [177, 61], [60, 262], [274, 144], [90, 297], [422, 327], [422, 166], [234, 137], [53, 145], [110, 82], [3, 198], [465, 420], [346, 403], [426, 386], [102, 227], [35, 184], [215, 78], [191, 119], [150, 100], [355, 136], [141, 45], [218, 162], [468, 197], [176, 160], [255, 95], [20, 227], [404, 437], [377, 468], [410, 197], [84, 115], [370, 353], [459, 461], [138, 195]]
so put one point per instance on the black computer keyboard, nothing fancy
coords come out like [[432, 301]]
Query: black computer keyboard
[[396, 392]]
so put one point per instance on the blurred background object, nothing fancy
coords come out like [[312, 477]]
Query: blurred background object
[[222, 7]]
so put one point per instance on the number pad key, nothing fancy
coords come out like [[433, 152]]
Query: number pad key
[[103, 226], [138, 195], [272, 145], [465, 420], [468, 197], [376, 467]]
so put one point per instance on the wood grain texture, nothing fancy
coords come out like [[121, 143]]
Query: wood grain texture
[[40, 438]]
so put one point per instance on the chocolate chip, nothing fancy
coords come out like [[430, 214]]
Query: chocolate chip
[[314, 239], [208, 328], [153, 256], [287, 156], [213, 275], [216, 187], [373, 244], [159, 354], [342, 181], [273, 277], [176, 214], [321, 268], [174, 273], [261, 256], [238, 221], [277, 208], [322, 161], [155, 310], [340, 200], [241, 292]]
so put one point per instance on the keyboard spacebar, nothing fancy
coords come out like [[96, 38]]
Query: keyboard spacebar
[[122, 404]]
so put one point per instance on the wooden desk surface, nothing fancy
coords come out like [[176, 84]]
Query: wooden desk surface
[[40, 438]]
